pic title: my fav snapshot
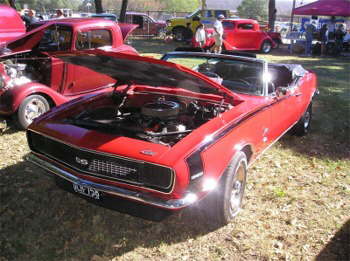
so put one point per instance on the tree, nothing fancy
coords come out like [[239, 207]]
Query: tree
[[13, 4], [98, 6], [123, 11], [254, 9], [272, 14]]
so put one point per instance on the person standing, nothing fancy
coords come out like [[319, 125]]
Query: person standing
[[59, 14], [218, 33], [29, 18], [324, 38], [200, 36], [339, 39], [309, 32], [332, 27]]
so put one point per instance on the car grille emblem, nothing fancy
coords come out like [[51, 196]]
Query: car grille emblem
[[80, 161]]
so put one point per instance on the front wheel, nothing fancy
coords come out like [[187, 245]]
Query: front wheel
[[224, 203], [32, 107], [266, 47], [302, 127]]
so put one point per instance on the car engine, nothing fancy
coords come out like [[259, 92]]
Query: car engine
[[19, 70], [162, 120]]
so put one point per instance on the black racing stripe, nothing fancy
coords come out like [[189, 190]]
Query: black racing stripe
[[194, 161]]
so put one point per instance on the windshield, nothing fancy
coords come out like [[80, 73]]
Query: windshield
[[53, 38], [195, 13], [236, 74]]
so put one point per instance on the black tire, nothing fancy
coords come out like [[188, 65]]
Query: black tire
[[266, 47], [222, 204], [303, 125], [179, 34], [32, 107]]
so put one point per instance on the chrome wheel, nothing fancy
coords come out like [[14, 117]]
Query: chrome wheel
[[32, 107], [266, 47], [237, 190]]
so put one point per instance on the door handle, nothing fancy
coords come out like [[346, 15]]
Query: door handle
[[297, 94]]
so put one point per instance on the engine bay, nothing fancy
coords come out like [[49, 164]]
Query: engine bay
[[24, 68], [162, 119]]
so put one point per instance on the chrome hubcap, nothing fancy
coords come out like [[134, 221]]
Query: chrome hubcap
[[34, 109], [266, 47]]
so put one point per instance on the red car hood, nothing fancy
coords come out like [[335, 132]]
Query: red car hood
[[131, 69]]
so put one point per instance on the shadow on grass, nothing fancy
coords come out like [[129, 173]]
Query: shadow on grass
[[39, 221], [339, 246], [155, 46]]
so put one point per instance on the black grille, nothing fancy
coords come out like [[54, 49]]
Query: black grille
[[101, 165]]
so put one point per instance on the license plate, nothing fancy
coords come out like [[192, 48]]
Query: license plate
[[87, 191]]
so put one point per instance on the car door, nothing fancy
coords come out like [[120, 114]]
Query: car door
[[138, 19], [80, 80], [229, 31], [285, 103], [245, 36]]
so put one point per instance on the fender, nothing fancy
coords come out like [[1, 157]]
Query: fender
[[17, 94], [268, 38]]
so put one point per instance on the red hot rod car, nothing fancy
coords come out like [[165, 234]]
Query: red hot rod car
[[32, 80], [168, 136], [244, 35]]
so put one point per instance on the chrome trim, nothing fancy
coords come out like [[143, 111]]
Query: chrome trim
[[142, 197], [113, 156]]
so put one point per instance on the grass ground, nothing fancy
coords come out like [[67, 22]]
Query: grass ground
[[297, 204]]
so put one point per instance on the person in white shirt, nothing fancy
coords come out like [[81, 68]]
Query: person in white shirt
[[218, 33], [200, 36]]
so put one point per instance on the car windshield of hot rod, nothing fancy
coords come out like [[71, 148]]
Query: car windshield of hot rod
[[236, 74], [153, 100]]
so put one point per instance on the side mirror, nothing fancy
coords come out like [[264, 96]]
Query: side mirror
[[281, 91]]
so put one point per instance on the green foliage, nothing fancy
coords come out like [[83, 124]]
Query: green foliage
[[255, 9], [155, 5], [182, 5], [40, 5]]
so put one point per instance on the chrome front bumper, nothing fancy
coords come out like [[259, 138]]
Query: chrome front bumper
[[142, 197]]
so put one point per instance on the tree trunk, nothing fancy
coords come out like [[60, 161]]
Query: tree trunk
[[272, 14], [98, 6], [204, 4], [123, 11], [12, 3]]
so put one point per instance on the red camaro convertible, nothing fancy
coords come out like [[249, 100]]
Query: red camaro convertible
[[169, 136]]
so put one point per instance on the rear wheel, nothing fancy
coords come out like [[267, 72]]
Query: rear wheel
[[225, 202], [266, 46], [303, 125], [32, 107]]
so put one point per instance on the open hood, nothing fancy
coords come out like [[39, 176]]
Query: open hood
[[127, 29], [143, 71], [24, 42]]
